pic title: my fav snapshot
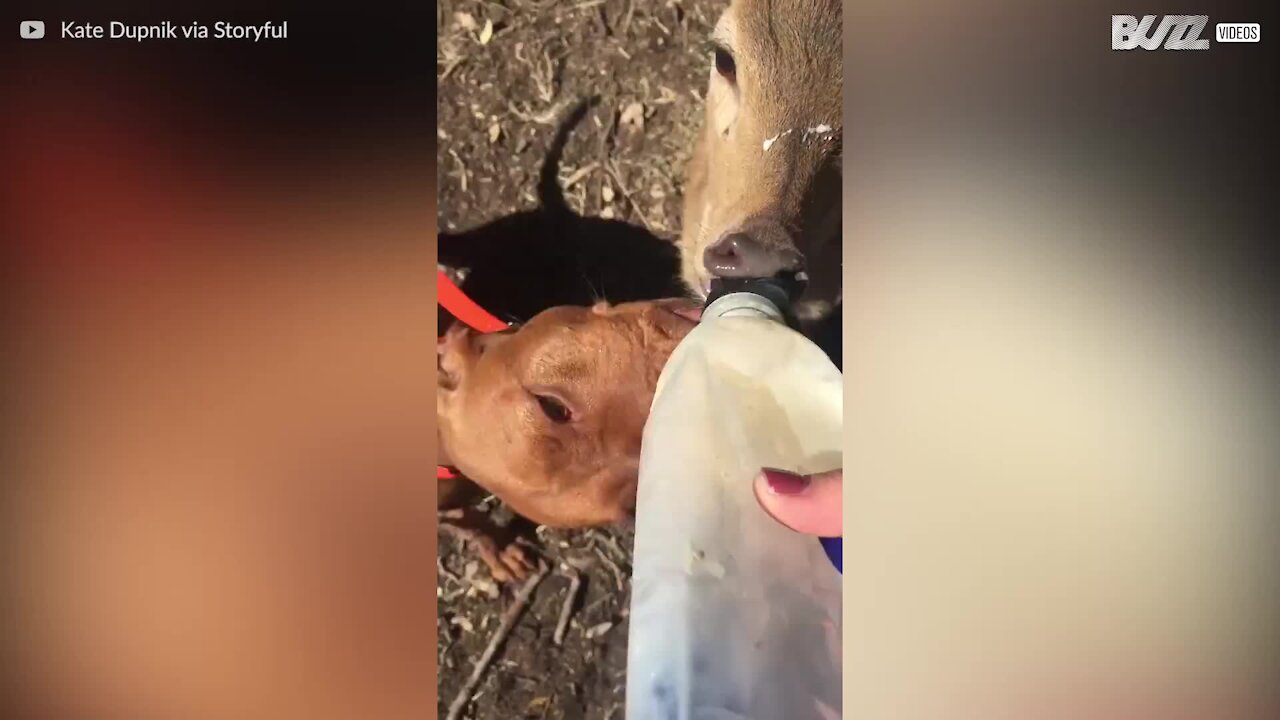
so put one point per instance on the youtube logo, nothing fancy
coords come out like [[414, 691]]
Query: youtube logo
[[31, 29]]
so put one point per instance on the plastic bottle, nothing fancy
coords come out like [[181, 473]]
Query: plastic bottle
[[734, 616]]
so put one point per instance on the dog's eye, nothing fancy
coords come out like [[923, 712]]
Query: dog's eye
[[725, 65], [555, 410]]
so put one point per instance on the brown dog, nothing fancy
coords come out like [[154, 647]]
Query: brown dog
[[763, 188], [548, 417]]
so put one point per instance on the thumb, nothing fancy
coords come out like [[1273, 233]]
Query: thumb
[[810, 504]]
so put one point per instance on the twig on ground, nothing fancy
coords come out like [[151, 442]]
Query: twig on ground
[[617, 178], [453, 65], [626, 20], [575, 582], [658, 22], [444, 571], [462, 170], [542, 71], [609, 542], [602, 21], [579, 197], [613, 567], [579, 174], [550, 116], [509, 618], [586, 611]]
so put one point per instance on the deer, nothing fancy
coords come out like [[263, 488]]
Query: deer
[[763, 184]]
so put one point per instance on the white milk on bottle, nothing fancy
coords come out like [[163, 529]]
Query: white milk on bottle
[[734, 616]]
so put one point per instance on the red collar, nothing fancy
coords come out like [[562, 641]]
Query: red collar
[[451, 298]]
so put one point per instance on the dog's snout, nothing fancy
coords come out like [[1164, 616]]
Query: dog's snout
[[748, 253]]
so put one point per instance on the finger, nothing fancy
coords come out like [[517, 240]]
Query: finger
[[518, 559], [516, 568], [809, 504]]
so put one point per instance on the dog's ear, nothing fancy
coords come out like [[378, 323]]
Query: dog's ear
[[666, 323]]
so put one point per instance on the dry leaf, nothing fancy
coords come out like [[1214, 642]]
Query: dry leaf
[[465, 21], [487, 33], [495, 132], [606, 193], [633, 116]]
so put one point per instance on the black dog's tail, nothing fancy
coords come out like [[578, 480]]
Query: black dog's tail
[[550, 194]]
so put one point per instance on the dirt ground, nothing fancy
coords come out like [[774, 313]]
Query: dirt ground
[[508, 73]]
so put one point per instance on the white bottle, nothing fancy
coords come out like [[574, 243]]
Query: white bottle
[[734, 616]]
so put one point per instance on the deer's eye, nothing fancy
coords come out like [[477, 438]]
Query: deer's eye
[[725, 65], [555, 410]]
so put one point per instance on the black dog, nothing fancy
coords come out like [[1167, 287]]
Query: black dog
[[524, 263]]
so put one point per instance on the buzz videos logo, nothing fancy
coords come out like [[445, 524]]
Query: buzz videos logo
[[1176, 32]]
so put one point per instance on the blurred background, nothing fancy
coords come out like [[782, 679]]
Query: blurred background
[[218, 319], [1063, 406]]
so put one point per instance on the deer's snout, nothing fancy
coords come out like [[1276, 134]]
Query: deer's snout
[[758, 250]]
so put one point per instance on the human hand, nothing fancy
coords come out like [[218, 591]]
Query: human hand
[[809, 504]]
